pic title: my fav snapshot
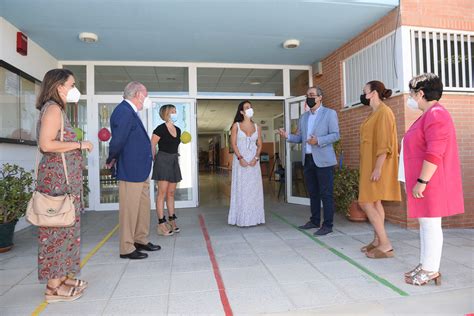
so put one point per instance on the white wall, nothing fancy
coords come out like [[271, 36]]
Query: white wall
[[36, 63]]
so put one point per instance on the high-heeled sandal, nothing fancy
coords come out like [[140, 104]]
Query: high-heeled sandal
[[413, 272], [162, 228], [424, 277], [172, 220], [72, 293]]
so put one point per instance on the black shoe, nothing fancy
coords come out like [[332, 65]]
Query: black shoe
[[323, 231], [135, 255], [308, 225], [147, 247]]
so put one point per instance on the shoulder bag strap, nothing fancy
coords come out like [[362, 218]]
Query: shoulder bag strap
[[61, 137]]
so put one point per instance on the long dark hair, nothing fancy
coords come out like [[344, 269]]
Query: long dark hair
[[239, 117], [49, 87], [380, 88]]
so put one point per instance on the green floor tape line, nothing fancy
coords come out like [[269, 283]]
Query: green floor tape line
[[346, 258]]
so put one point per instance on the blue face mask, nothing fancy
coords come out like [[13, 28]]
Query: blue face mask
[[174, 117]]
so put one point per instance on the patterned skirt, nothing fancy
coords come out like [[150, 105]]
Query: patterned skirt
[[59, 248]]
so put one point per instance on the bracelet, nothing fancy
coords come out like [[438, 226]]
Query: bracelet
[[80, 145], [239, 157], [422, 181]]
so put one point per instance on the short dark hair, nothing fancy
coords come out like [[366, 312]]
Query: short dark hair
[[430, 84]]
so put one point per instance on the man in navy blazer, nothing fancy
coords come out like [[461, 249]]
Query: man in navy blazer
[[318, 130], [130, 159]]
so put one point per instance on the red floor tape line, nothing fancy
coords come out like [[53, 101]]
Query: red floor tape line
[[215, 268]]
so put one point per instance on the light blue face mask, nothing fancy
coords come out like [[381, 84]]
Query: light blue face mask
[[174, 117]]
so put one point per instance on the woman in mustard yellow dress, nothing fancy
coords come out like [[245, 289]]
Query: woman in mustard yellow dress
[[378, 166]]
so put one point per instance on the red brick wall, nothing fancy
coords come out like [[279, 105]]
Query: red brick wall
[[453, 14], [457, 14]]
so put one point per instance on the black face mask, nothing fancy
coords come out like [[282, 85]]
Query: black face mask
[[364, 100], [311, 102]]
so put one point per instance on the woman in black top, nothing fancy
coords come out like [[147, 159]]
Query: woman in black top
[[166, 168]]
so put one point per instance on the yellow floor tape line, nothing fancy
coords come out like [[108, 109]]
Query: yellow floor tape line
[[40, 308]]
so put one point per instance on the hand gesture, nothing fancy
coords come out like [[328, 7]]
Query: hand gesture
[[282, 133], [312, 140], [418, 190], [243, 163], [110, 164], [375, 176], [87, 145], [253, 162]]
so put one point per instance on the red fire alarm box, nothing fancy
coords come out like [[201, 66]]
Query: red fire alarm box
[[21, 43]]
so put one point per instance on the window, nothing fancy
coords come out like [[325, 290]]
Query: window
[[79, 72], [18, 92], [376, 62], [239, 81], [157, 80], [448, 54]]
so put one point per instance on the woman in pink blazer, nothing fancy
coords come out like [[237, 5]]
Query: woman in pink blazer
[[432, 174]]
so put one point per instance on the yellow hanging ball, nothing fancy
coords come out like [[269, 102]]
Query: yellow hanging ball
[[185, 137]]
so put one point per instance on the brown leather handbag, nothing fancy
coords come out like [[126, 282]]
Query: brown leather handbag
[[52, 211]]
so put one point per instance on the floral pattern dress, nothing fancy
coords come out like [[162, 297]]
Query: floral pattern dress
[[59, 248]]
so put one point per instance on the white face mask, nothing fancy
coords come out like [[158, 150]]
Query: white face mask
[[174, 117], [147, 103], [249, 113], [412, 104], [73, 95]]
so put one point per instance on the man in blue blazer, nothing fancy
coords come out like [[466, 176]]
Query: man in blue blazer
[[318, 130], [130, 159]]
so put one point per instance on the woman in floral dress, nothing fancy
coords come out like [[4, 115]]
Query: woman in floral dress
[[58, 253]]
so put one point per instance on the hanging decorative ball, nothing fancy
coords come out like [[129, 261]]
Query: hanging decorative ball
[[185, 137], [104, 134], [79, 133]]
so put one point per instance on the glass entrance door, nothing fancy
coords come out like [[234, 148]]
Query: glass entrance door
[[104, 188], [295, 187], [187, 190]]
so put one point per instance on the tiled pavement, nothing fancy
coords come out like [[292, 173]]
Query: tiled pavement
[[272, 268]]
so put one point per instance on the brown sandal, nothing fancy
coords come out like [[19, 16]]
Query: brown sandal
[[376, 253], [368, 247], [72, 293], [79, 284]]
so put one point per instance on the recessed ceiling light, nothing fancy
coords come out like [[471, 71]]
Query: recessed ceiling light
[[255, 81], [291, 43], [88, 37]]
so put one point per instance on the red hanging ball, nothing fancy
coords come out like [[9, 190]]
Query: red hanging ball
[[104, 134]]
